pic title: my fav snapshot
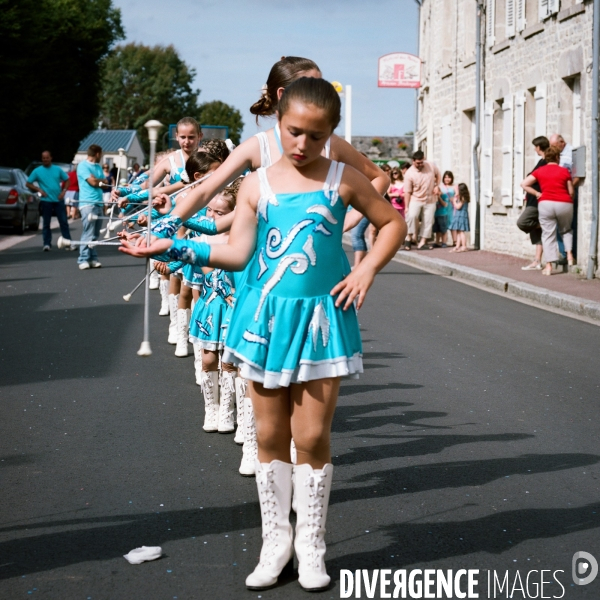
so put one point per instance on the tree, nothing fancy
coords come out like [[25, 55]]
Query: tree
[[219, 113], [50, 53], [141, 83]]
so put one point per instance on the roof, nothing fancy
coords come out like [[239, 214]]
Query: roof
[[110, 140]]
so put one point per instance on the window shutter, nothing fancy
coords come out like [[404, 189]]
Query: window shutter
[[542, 9], [487, 152], [540, 109], [510, 18], [553, 7], [519, 173], [520, 10], [490, 22], [447, 143], [507, 151], [576, 141]]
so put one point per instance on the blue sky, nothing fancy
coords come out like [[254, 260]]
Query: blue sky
[[232, 44]]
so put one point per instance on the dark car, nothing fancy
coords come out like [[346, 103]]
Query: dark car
[[19, 206]]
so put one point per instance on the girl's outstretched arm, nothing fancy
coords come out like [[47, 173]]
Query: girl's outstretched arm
[[235, 165], [358, 191], [234, 255]]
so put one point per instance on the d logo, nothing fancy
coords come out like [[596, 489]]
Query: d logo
[[585, 568]]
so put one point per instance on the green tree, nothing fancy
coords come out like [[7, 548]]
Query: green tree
[[50, 53], [141, 83], [219, 113]]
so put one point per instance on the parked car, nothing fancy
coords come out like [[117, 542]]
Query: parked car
[[36, 163], [19, 206]]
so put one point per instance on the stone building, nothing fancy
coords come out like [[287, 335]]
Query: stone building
[[536, 79]]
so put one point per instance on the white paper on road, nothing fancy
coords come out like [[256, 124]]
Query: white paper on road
[[143, 554]]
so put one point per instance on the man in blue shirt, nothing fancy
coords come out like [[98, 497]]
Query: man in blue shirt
[[90, 177], [52, 184]]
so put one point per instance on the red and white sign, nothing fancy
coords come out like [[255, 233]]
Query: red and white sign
[[399, 70]]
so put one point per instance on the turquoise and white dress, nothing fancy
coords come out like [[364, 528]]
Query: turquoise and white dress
[[209, 317], [285, 327]]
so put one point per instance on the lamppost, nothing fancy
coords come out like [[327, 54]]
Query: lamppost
[[152, 126], [347, 95]]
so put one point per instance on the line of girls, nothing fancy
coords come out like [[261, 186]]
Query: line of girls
[[293, 332]]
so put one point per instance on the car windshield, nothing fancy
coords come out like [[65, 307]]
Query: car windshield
[[6, 177]]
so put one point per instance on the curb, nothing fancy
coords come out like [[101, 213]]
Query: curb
[[511, 287], [543, 298]]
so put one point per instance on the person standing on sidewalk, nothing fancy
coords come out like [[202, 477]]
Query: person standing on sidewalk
[[51, 186], [421, 188], [72, 195], [529, 221], [555, 206], [90, 177]]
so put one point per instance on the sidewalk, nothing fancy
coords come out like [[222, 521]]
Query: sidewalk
[[567, 293]]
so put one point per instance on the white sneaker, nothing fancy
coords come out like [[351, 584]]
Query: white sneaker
[[46, 248], [95, 264], [84, 266], [226, 402]]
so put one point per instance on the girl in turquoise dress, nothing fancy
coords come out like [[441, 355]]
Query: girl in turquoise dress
[[294, 330]]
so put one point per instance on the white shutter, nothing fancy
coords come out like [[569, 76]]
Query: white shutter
[[519, 147], [576, 137], [540, 109], [553, 6], [447, 143], [507, 151], [542, 9], [510, 18], [490, 22], [520, 10], [487, 151]]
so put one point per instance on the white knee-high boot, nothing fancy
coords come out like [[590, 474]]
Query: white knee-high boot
[[183, 329], [198, 363], [240, 393], [154, 277], [250, 447], [274, 483], [173, 302], [227, 402], [163, 287], [210, 391], [311, 488]]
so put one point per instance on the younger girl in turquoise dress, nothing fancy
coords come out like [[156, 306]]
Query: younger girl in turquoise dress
[[460, 218], [294, 330]]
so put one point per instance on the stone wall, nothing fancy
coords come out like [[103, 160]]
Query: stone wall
[[551, 52], [385, 147]]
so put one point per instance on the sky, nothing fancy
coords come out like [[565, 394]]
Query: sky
[[233, 44]]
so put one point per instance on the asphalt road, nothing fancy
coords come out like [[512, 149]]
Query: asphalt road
[[471, 441]]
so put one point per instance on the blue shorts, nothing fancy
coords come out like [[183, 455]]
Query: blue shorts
[[359, 243], [440, 224]]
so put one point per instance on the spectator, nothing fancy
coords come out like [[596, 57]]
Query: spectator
[[136, 172], [421, 183], [72, 195], [460, 218], [52, 187], [386, 169], [359, 243], [555, 206], [404, 167], [396, 190], [108, 177], [444, 209], [89, 175], [529, 221]]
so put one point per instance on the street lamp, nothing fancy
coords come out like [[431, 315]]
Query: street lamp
[[347, 95], [152, 126]]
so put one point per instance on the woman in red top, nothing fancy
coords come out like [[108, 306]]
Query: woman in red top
[[555, 206]]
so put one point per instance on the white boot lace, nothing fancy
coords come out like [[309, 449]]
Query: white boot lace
[[316, 506], [250, 448], [264, 478], [208, 392]]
